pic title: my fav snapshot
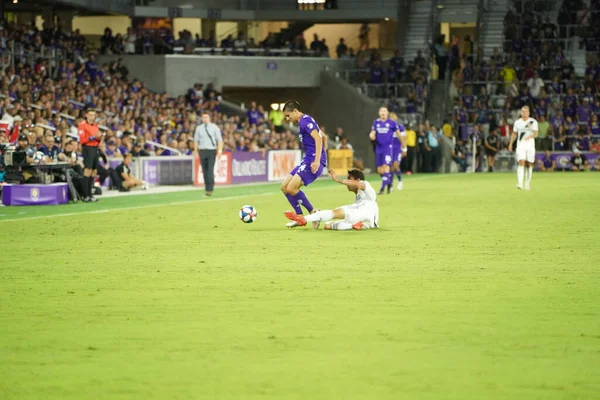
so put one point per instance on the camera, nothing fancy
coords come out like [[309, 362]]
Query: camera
[[11, 158]]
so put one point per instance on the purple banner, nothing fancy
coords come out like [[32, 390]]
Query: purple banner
[[35, 195], [150, 171], [249, 167], [563, 159]]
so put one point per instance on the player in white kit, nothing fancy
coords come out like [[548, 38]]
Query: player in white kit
[[525, 130], [360, 215]]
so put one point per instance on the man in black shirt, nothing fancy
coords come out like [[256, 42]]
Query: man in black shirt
[[579, 162], [29, 174], [492, 141], [125, 181], [50, 149]]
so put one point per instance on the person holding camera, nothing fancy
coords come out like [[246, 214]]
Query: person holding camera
[[29, 175], [89, 137]]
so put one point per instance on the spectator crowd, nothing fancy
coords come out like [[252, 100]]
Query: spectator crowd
[[533, 70]]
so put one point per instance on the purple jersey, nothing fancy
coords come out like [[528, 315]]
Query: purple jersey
[[584, 112], [595, 127], [253, 116], [385, 131], [306, 125]]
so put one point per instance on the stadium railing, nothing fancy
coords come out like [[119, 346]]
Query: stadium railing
[[243, 51]]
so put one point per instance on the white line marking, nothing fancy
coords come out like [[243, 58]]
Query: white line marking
[[177, 203]]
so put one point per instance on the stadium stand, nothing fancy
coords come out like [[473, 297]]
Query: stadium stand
[[534, 69], [39, 98]]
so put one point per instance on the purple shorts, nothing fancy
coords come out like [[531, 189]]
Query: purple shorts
[[305, 173], [383, 158]]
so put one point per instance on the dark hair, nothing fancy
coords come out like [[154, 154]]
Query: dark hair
[[89, 108], [356, 174], [291, 105]]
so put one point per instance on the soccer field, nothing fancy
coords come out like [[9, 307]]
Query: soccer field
[[471, 289]]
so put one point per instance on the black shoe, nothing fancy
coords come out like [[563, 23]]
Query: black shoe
[[381, 192], [389, 189], [123, 189]]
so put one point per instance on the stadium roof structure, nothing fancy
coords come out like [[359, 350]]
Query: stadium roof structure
[[125, 7]]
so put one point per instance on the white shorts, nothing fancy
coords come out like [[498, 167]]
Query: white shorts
[[526, 151], [368, 214]]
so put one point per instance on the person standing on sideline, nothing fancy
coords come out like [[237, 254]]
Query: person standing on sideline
[[208, 144], [411, 150], [89, 137]]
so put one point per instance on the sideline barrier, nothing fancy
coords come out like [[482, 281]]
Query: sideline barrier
[[340, 160]]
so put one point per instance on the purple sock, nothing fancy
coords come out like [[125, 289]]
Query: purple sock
[[301, 198], [384, 180], [391, 180], [294, 203]]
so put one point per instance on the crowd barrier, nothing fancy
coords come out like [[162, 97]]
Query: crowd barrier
[[230, 168]]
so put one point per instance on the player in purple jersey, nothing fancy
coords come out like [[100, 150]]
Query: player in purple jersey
[[311, 167], [398, 151], [382, 132]]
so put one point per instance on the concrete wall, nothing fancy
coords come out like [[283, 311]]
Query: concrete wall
[[148, 69], [338, 103], [264, 72]]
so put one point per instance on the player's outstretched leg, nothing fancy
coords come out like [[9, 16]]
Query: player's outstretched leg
[[297, 218], [344, 226]]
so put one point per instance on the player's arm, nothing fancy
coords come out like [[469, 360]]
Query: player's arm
[[372, 134], [356, 185], [319, 149], [513, 136], [402, 137]]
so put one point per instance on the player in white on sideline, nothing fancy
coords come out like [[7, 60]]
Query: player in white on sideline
[[525, 130], [362, 214]]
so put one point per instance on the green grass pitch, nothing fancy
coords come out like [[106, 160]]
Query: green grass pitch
[[470, 290]]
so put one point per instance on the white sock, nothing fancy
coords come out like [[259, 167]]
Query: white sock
[[341, 226], [528, 173], [520, 173], [324, 215]]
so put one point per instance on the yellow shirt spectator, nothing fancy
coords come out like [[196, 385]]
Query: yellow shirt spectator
[[411, 138], [447, 130], [508, 73], [276, 117]]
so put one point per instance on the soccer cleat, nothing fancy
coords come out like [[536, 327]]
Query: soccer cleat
[[527, 188], [400, 186], [381, 192], [519, 187], [299, 219], [389, 189], [316, 224], [357, 226], [292, 224]]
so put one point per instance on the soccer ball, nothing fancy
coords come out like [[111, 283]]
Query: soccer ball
[[38, 157], [248, 214]]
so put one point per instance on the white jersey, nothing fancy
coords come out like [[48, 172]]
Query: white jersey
[[368, 195], [525, 129], [364, 208]]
